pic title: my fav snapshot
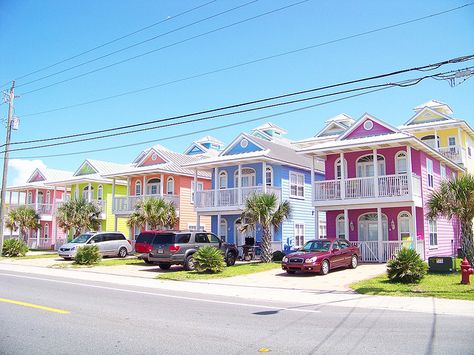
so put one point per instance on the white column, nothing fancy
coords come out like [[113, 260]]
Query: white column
[[219, 225], [196, 184], [409, 172], [239, 184], [18, 199], [162, 184], [436, 140], [312, 181], [36, 200], [198, 221], [460, 146], [26, 197], [113, 196], [89, 192], [10, 200], [413, 227], [53, 216], [79, 193], [316, 223], [128, 186], [346, 223], [115, 223], [216, 185], [264, 176], [380, 233], [343, 177], [65, 193], [144, 187], [376, 173]]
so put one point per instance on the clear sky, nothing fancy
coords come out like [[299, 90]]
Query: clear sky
[[35, 34]]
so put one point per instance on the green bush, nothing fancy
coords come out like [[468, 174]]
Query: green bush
[[209, 259], [87, 255], [406, 267], [14, 247], [278, 255]]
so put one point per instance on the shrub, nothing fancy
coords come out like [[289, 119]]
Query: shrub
[[209, 259], [87, 255], [406, 267], [278, 255], [14, 247]]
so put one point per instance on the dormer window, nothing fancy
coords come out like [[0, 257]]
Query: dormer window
[[368, 125]]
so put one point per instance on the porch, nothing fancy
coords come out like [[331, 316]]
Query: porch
[[126, 205], [381, 252]]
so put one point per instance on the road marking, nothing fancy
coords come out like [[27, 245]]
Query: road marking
[[166, 295], [32, 305]]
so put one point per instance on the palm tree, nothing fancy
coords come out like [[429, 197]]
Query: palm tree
[[153, 213], [455, 199], [78, 215], [23, 219], [263, 209]]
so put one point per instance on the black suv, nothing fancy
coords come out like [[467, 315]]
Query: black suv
[[177, 248]]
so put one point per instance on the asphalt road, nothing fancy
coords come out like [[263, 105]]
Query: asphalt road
[[102, 318]]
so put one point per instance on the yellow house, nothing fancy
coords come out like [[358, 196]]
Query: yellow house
[[434, 124]]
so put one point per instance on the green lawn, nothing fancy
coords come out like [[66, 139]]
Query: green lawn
[[230, 271], [39, 256], [103, 262], [432, 285]]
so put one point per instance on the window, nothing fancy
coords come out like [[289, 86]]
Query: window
[[401, 163], [365, 165], [430, 140], [469, 152], [76, 193], [223, 231], [201, 238], [100, 192], [182, 238], [322, 230], [368, 125], [443, 171], [337, 169], [340, 227], [30, 198], [452, 144], [46, 230], [433, 233], [269, 176], [200, 187], [223, 180], [138, 188], [153, 187], [344, 244], [48, 197], [85, 193], [296, 185], [429, 171], [299, 235], [247, 176], [404, 226], [170, 186], [40, 197]]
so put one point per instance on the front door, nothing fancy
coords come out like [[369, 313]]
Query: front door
[[368, 236]]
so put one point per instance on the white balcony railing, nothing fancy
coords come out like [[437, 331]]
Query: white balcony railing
[[230, 198], [455, 153], [366, 188], [40, 208], [127, 204], [375, 251]]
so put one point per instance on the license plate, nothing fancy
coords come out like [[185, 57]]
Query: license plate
[[160, 251], [439, 261]]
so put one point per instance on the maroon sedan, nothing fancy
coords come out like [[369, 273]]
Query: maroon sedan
[[322, 255]]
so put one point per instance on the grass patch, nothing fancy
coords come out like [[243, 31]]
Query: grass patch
[[230, 271], [103, 262], [432, 285], [26, 257]]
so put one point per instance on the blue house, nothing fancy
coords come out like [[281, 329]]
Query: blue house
[[261, 162]]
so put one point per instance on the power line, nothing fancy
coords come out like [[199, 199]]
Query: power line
[[139, 43], [403, 83], [246, 63], [167, 46], [207, 129], [169, 18], [424, 67]]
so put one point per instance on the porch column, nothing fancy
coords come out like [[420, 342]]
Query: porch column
[[78, 193], [198, 221], [113, 196], [115, 223], [10, 200], [312, 181], [36, 200], [376, 173], [409, 172], [264, 176], [10, 206], [380, 233], [89, 192], [53, 217], [343, 177], [18, 199], [436, 140], [413, 233], [216, 185], [128, 186], [162, 184], [144, 187], [239, 184], [316, 223], [219, 226], [459, 145], [26, 197], [195, 186], [65, 193], [346, 224]]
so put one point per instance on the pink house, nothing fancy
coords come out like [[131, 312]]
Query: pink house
[[377, 182]]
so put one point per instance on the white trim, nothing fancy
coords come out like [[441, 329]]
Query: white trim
[[398, 156], [222, 173], [430, 172], [34, 173], [296, 175], [269, 168], [85, 162], [336, 163], [299, 239], [194, 227], [338, 231], [168, 180], [423, 111], [100, 192], [435, 233], [328, 126], [409, 216], [148, 154], [363, 118], [138, 182], [191, 147], [237, 140]]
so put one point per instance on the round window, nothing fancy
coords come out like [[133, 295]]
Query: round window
[[244, 143], [368, 125], [154, 156]]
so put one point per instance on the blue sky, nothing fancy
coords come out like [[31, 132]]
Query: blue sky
[[35, 34]]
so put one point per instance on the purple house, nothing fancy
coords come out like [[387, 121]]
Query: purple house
[[377, 182]]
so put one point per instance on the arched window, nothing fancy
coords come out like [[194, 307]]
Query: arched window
[[100, 192], [401, 163], [269, 176], [337, 169], [430, 140], [368, 227], [247, 177], [404, 219], [170, 186], [365, 165], [223, 180], [30, 198], [138, 188], [48, 197], [340, 227], [40, 197], [223, 228], [85, 193], [46, 230], [153, 187]]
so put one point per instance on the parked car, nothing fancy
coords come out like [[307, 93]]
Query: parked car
[[109, 243], [322, 255], [177, 248], [143, 244]]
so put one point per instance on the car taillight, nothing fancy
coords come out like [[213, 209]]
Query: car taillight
[[149, 248], [173, 248]]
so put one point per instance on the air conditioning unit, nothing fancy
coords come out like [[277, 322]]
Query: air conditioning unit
[[444, 264]]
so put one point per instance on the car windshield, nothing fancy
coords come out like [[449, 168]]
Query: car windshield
[[318, 245], [81, 239]]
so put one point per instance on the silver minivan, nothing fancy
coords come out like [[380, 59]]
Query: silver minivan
[[109, 243]]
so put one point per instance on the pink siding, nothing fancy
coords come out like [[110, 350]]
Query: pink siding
[[149, 161], [37, 177], [376, 130]]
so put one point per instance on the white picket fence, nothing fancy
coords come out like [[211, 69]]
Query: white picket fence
[[374, 251]]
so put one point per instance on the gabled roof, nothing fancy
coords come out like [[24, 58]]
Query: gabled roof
[[198, 146], [47, 175], [366, 116], [427, 112], [99, 167], [330, 126], [436, 105], [270, 126], [210, 139]]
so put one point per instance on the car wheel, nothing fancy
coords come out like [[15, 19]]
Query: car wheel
[[67, 258], [122, 252], [230, 260], [164, 266], [354, 262], [291, 272], [189, 263], [324, 267], [148, 261]]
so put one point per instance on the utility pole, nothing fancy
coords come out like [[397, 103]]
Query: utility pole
[[11, 97]]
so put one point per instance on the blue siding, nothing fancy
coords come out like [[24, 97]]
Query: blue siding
[[195, 150], [237, 149]]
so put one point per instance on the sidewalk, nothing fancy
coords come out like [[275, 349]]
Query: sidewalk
[[253, 287]]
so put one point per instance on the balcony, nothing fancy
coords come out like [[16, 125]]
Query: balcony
[[385, 188], [126, 205], [229, 199], [41, 208], [455, 153]]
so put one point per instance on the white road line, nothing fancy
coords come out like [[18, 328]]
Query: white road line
[[165, 295]]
